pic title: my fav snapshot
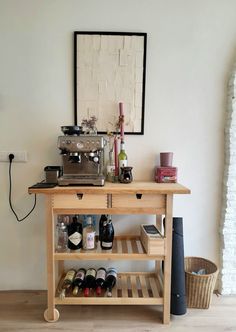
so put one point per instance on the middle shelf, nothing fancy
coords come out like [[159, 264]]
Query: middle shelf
[[124, 248]]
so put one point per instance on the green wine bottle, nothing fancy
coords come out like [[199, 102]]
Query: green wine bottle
[[122, 157]]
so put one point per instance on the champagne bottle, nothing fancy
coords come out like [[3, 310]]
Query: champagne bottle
[[110, 280], [100, 280], [67, 282], [122, 157], [102, 219], [89, 282], [107, 234], [74, 234], [78, 281]]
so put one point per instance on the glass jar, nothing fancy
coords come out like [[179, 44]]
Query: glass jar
[[62, 237]]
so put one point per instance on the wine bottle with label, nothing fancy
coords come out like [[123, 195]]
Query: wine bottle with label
[[122, 157], [78, 281], [67, 283], [89, 234], [74, 234], [89, 282], [110, 280], [100, 280], [107, 234]]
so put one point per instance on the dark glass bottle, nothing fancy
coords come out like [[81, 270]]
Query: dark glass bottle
[[74, 234], [107, 234], [104, 217], [89, 282], [67, 282], [110, 280], [78, 281], [100, 280]]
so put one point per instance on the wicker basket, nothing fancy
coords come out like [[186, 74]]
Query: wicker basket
[[199, 288]]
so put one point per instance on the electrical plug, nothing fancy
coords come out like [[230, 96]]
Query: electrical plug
[[11, 157]]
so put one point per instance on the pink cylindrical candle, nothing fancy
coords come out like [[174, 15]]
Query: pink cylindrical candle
[[122, 121], [116, 156]]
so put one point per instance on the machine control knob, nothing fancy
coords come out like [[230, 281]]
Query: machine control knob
[[80, 145], [96, 159]]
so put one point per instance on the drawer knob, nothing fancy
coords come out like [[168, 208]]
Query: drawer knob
[[80, 196], [139, 196]]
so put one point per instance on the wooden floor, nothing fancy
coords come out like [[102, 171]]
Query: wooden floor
[[23, 311]]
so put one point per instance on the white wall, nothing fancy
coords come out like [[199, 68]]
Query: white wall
[[191, 47]]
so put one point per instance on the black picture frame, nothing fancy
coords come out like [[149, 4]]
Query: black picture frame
[[141, 39]]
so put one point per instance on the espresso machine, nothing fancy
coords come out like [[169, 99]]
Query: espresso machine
[[82, 158]]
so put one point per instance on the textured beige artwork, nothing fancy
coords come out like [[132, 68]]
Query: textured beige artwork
[[110, 70]]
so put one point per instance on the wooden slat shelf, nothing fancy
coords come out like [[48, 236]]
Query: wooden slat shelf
[[131, 288], [124, 248]]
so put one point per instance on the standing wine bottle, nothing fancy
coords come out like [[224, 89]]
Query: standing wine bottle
[[89, 281], [78, 281], [74, 234], [103, 218], [89, 234], [67, 283], [100, 280], [110, 280], [107, 234], [122, 157]]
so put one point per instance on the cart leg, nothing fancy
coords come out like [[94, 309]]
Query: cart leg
[[51, 314], [158, 264], [167, 262]]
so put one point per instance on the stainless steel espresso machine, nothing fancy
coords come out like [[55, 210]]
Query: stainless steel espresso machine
[[82, 158]]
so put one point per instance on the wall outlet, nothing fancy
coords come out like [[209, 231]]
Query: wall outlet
[[19, 156]]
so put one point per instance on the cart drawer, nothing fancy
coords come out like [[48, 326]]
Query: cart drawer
[[80, 200], [138, 201]]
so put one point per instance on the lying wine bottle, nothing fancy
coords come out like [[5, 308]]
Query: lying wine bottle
[[67, 283], [110, 280], [89, 281], [78, 281], [100, 280]]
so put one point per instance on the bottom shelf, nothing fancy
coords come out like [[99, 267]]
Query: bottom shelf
[[131, 288]]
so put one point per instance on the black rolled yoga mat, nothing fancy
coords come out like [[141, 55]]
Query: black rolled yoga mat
[[178, 297]]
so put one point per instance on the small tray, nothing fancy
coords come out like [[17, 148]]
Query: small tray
[[43, 185]]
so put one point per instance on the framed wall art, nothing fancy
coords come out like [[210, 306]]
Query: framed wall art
[[109, 68]]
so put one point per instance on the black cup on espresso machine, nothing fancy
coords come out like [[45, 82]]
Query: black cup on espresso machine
[[52, 173]]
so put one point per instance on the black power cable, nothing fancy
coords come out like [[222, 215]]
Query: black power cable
[[11, 157]]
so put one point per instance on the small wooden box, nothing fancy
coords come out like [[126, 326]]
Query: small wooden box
[[152, 240], [166, 174]]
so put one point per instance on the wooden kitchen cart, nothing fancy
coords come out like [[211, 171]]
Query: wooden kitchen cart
[[139, 288]]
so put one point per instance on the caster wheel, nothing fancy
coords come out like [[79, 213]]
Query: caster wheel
[[56, 315]]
